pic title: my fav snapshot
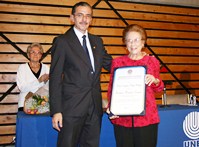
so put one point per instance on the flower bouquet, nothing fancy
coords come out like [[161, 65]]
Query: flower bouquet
[[37, 103]]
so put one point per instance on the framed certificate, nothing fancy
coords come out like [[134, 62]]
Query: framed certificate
[[128, 91]]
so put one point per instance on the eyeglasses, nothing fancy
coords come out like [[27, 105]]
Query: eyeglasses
[[135, 41], [35, 53], [80, 16]]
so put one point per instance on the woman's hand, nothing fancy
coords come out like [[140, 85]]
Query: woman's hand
[[44, 78], [111, 115], [150, 79]]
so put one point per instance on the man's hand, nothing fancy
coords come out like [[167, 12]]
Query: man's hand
[[57, 121]]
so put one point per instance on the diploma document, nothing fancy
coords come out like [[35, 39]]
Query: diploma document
[[128, 91]]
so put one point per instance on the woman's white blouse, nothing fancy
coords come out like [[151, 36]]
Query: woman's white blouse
[[27, 82]]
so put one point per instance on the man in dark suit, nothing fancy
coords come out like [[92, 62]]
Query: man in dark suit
[[75, 93]]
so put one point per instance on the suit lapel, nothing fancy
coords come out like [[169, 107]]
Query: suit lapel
[[77, 47]]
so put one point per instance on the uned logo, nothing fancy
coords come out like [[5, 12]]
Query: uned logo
[[191, 125]]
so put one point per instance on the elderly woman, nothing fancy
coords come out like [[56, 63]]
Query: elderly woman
[[32, 75], [138, 131]]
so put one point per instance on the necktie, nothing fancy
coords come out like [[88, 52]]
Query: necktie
[[85, 47], [86, 50]]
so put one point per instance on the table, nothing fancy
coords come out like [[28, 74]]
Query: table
[[37, 131]]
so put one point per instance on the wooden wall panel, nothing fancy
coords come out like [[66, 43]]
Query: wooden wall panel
[[34, 9], [11, 98], [52, 2], [7, 48], [26, 28], [8, 68], [175, 51], [151, 8], [6, 139], [159, 17], [11, 119], [12, 108], [173, 37]]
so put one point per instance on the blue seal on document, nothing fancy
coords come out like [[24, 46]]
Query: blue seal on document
[[130, 71]]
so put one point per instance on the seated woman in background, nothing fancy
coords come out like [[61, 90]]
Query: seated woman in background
[[32, 75]]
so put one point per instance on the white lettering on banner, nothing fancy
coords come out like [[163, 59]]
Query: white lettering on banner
[[191, 129], [191, 143]]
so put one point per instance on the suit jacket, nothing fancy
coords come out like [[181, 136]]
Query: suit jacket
[[72, 82]]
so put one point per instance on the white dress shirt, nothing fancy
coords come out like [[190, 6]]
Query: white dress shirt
[[79, 35]]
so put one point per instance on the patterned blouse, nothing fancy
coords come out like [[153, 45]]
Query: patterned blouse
[[151, 115]]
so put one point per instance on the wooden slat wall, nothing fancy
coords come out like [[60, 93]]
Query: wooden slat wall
[[173, 36]]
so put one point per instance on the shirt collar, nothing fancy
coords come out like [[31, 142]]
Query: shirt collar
[[79, 34]]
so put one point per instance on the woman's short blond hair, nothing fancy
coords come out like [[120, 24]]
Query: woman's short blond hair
[[35, 45]]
